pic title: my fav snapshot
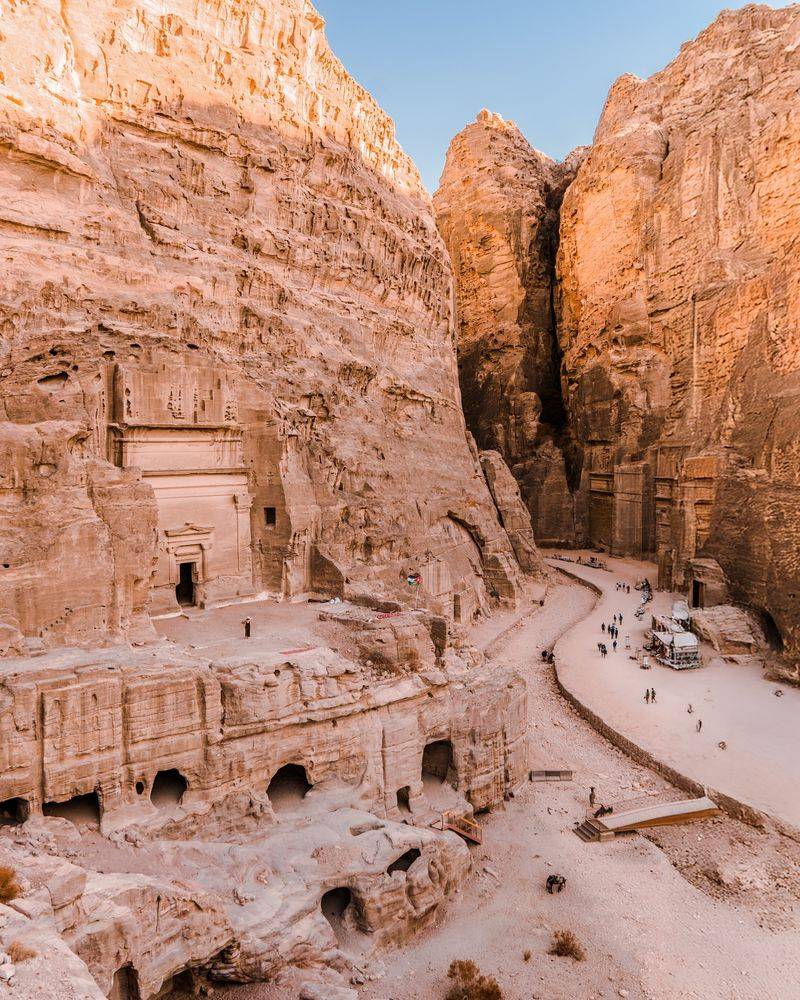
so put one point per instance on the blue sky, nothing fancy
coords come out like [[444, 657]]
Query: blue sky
[[433, 64]]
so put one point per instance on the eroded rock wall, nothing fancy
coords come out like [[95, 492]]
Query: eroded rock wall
[[679, 302], [497, 209], [221, 273], [208, 856], [674, 333]]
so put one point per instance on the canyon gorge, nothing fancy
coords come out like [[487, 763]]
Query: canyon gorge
[[284, 443]]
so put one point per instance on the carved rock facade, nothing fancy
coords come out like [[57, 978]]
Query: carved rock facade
[[227, 345], [677, 304]]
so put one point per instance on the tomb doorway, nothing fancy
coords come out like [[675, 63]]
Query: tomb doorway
[[185, 589]]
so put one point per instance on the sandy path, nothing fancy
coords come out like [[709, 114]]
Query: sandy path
[[760, 765], [646, 929]]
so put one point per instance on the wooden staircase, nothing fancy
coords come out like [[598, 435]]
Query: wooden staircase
[[464, 827]]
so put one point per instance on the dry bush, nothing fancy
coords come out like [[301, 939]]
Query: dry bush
[[469, 984], [567, 945], [19, 952], [526, 956], [9, 887]]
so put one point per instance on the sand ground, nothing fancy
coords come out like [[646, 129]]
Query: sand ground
[[760, 763], [702, 912]]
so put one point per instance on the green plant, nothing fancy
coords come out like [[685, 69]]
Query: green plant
[[470, 984], [567, 945]]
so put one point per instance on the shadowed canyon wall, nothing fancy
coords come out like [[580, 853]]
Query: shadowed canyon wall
[[677, 306], [227, 337]]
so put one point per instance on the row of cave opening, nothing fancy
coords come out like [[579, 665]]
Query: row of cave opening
[[288, 787]]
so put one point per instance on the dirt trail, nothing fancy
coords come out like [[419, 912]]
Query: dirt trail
[[648, 931]]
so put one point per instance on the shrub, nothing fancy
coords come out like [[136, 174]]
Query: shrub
[[9, 887], [526, 956], [469, 984], [19, 952], [567, 945]]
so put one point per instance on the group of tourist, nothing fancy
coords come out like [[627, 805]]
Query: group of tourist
[[624, 587], [612, 630]]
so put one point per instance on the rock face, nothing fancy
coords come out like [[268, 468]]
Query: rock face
[[677, 304], [227, 340], [259, 811], [497, 209], [678, 310]]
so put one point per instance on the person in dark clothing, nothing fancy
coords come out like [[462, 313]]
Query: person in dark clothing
[[647, 695], [699, 725], [247, 623], [614, 644], [603, 627], [620, 617], [653, 695], [592, 797]]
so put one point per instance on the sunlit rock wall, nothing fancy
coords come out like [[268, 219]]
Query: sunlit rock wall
[[206, 190], [679, 307], [497, 209]]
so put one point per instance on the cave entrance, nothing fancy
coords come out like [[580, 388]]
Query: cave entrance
[[80, 809], [335, 904], [288, 788], [698, 593], [437, 762], [180, 985], [185, 590], [125, 985], [404, 800], [168, 788], [404, 862], [14, 812], [771, 632]]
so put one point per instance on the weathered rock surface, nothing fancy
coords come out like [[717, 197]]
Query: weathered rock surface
[[514, 515], [679, 303], [209, 806], [497, 209], [227, 340], [728, 629]]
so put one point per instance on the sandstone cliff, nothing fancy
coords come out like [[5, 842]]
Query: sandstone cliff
[[497, 208], [222, 277], [679, 304], [676, 314]]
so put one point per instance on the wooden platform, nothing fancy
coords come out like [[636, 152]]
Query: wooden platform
[[662, 814], [551, 775]]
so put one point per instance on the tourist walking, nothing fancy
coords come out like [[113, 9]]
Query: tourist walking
[[247, 623], [620, 617], [699, 725], [603, 627], [647, 695], [614, 644], [690, 709], [592, 797], [653, 695]]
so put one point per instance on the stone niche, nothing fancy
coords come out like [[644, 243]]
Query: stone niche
[[179, 427]]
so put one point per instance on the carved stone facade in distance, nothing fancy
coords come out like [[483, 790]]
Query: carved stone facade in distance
[[678, 308], [674, 340]]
